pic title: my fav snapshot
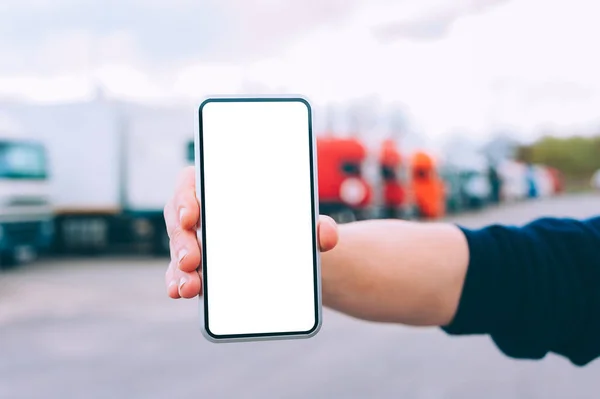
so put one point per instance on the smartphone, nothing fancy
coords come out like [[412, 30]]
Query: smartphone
[[256, 172]]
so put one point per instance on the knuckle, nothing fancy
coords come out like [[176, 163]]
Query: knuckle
[[185, 197], [177, 202], [168, 209], [176, 236]]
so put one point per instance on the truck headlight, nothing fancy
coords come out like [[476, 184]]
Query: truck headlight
[[353, 191]]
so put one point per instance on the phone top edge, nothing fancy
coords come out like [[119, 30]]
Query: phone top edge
[[253, 97]]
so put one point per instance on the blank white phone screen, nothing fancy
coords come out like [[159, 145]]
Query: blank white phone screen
[[258, 220]]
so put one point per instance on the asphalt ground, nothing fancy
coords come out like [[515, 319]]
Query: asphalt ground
[[104, 328]]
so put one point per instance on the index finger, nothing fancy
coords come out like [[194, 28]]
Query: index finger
[[186, 179]]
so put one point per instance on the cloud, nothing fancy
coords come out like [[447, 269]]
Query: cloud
[[509, 65], [200, 80], [271, 22], [451, 83], [68, 88], [431, 20], [160, 33], [48, 37]]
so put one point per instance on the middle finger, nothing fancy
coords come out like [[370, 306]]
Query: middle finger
[[185, 250]]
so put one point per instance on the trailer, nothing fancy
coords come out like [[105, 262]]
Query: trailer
[[114, 166]]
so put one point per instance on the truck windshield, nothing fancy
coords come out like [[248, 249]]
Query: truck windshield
[[22, 160], [388, 173], [351, 168]]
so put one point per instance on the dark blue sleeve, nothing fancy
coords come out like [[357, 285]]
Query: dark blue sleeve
[[535, 289]]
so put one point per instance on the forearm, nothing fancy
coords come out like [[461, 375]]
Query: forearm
[[533, 289], [396, 271]]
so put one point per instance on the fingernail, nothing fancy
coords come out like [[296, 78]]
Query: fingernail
[[182, 254], [182, 282], [172, 283], [182, 213]]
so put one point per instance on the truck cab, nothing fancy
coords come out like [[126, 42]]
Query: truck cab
[[544, 180], [397, 196], [450, 175], [514, 182], [557, 180], [428, 187], [474, 173], [344, 193], [26, 220]]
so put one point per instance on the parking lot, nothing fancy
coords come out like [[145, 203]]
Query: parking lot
[[104, 328]]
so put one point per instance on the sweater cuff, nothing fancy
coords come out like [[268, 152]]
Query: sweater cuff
[[480, 303]]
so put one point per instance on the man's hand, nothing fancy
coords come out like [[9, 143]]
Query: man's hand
[[182, 217]]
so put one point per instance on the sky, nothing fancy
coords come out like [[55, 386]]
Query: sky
[[453, 67]]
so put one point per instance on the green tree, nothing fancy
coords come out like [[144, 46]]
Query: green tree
[[576, 157]]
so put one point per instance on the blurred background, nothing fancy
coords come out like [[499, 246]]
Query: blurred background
[[469, 111]]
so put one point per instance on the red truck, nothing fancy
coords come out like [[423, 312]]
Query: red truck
[[344, 193], [558, 185], [395, 182]]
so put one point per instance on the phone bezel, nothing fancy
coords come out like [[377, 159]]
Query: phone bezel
[[201, 234]]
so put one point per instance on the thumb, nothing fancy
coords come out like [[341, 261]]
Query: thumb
[[327, 232]]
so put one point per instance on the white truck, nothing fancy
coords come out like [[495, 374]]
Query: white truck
[[514, 180], [465, 158], [114, 166], [26, 225], [543, 180]]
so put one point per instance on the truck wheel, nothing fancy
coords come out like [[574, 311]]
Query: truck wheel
[[390, 212], [344, 216], [15, 257], [8, 260], [411, 212], [417, 213]]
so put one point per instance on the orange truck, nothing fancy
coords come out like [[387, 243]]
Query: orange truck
[[344, 193], [427, 186]]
